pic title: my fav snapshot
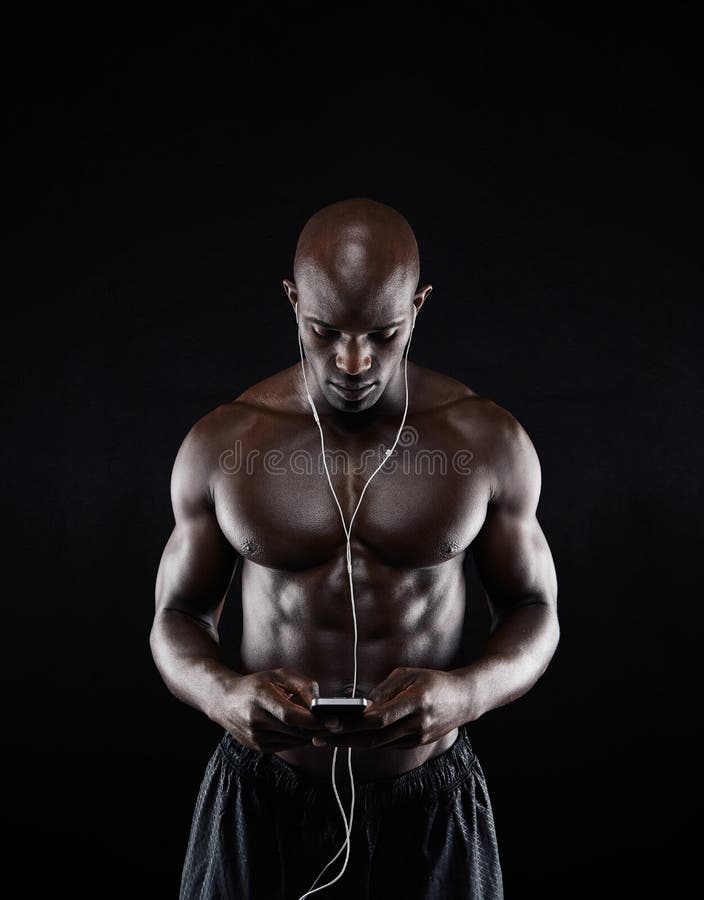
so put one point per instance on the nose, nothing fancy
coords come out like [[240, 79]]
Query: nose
[[352, 359]]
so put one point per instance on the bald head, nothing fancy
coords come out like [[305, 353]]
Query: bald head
[[358, 248], [356, 298]]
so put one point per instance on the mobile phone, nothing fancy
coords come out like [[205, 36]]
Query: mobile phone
[[346, 709]]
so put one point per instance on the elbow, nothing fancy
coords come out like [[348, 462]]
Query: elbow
[[159, 647], [554, 627], [153, 638], [156, 640], [551, 643], [154, 644]]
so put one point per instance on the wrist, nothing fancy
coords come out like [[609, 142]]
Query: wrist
[[217, 681], [494, 680], [474, 686]]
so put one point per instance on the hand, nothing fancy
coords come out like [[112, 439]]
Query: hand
[[259, 712], [410, 708]]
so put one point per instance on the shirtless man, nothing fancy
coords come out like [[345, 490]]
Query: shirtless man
[[248, 483]]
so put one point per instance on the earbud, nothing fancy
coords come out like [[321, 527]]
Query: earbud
[[295, 309], [415, 313]]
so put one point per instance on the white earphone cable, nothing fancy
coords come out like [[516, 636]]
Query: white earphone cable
[[348, 826]]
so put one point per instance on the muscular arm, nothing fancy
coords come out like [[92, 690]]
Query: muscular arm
[[195, 571], [517, 570]]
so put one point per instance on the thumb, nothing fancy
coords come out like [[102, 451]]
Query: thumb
[[391, 685], [297, 683]]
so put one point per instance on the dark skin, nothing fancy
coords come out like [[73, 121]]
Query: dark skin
[[356, 269]]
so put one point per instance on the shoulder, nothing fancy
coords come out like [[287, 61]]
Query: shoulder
[[259, 406], [201, 449], [277, 394], [431, 391], [515, 467], [511, 460], [207, 435]]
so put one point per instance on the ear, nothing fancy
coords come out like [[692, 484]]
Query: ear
[[421, 296], [292, 294]]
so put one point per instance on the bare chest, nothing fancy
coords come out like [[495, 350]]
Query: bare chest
[[425, 505]]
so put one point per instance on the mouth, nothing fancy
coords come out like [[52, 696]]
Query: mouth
[[353, 393]]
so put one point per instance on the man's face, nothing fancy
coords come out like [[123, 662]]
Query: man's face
[[354, 342]]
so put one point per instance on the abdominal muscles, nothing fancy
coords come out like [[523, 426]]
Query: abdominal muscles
[[305, 622]]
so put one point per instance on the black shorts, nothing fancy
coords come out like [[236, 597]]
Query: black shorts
[[263, 830]]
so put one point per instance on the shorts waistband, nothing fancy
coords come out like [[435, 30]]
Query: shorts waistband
[[442, 773]]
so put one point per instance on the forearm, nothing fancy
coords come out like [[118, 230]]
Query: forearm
[[187, 656], [515, 656]]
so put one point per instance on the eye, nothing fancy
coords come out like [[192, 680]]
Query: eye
[[376, 335]]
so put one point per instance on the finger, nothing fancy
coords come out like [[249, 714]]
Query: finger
[[399, 679], [289, 713], [270, 722], [382, 715], [406, 729], [271, 734], [296, 682], [361, 740]]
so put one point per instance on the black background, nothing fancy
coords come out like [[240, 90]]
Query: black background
[[160, 170]]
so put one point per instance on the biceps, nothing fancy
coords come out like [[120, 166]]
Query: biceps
[[513, 558], [196, 568]]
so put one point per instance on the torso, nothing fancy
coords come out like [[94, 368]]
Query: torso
[[408, 540]]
